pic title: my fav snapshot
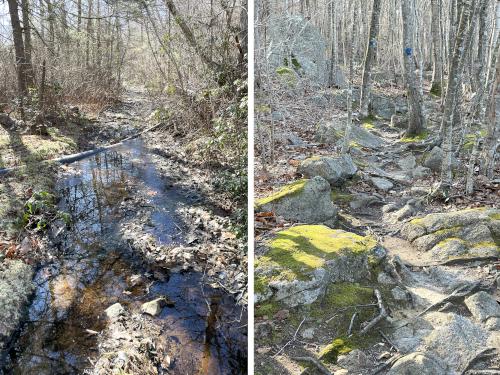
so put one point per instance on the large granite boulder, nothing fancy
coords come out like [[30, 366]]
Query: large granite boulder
[[465, 233], [333, 169], [304, 201], [453, 340], [332, 132], [301, 261], [297, 44]]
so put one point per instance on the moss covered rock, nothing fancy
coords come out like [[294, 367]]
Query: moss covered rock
[[306, 201], [333, 133], [471, 232], [331, 352], [303, 260], [15, 289]]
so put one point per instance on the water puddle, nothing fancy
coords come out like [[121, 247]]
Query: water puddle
[[202, 332]]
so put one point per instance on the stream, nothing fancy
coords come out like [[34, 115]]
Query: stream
[[203, 329]]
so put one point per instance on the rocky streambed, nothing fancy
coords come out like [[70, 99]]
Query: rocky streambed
[[124, 287]]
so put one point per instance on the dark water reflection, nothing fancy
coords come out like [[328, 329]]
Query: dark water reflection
[[203, 331]]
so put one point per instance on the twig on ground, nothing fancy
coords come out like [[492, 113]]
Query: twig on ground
[[349, 331], [315, 362], [382, 313], [388, 340], [292, 340], [386, 365]]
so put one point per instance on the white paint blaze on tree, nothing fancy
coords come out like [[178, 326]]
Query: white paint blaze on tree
[[371, 54], [416, 120]]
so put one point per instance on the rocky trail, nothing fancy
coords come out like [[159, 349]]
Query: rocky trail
[[358, 269], [140, 274]]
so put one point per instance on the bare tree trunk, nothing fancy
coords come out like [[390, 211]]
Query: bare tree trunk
[[17, 34], [347, 134], [454, 84], [89, 34], [437, 73], [416, 120], [188, 34], [371, 53]]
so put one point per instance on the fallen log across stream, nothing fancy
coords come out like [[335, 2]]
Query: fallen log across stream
[[82, 155]]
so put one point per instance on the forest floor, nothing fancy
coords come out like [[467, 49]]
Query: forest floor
[[131, 245], [390, 189]]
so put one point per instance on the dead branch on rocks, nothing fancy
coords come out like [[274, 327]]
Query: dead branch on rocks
[[315, 362], [382, 313], [386, 365], [349, 331]]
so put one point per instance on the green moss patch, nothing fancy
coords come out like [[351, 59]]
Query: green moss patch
[[338, 196], [436, 89], [303, 248], [287, 191], [331, 352], [416, 138]]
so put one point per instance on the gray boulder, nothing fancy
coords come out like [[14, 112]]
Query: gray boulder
[[408, 162], [296, 43], [455, 339], [418, 363], [333, 169], [434, 160], [305, 201], [464, 233], [333, 133], [382, 183], [483, 306]]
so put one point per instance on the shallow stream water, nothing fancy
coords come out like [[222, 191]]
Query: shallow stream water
[[94, 267]]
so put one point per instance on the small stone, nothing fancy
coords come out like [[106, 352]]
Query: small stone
[[421, 172], [114, 311], [399, 294], [153, 307], [407, 163], [263, 329], [483, 306], [354, 360], [308, 333], [382, 183], [384, 278], [277, 116], [282, 315], [493, 324]]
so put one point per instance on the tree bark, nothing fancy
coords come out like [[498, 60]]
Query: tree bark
[[437, 72], [371, 53], [454, 83], [416, 120], [17, 34], [188, 34]]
